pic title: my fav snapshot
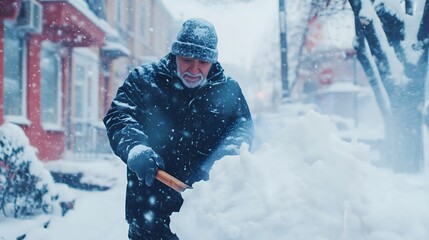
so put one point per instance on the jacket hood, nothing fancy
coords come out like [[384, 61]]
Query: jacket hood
[[167, 66]]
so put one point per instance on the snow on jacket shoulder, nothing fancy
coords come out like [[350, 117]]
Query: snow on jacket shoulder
[[123, 129], [186, 127]]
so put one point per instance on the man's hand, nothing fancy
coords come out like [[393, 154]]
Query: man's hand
[[145, 163], [230, 150]]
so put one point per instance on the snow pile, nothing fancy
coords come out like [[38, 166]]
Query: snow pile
[[28, 194], [27, 185], [96, 215], [305, 184]]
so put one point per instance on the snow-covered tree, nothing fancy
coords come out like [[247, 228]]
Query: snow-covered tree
[[392, 40]]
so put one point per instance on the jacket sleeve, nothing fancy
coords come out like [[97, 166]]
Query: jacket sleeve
[[123, 129], [241, 130]]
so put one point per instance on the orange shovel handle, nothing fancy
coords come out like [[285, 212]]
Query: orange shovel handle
[[171, 181]]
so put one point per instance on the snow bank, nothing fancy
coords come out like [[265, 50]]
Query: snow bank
[[305, 184], [31, 196], [15, 138]]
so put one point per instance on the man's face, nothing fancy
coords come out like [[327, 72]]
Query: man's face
[[193, 72]]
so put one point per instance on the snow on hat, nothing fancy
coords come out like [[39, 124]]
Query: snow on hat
[[197, 39]]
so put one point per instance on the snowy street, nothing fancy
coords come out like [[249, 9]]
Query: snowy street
[[96, 214], [303, 183], [318, 111]]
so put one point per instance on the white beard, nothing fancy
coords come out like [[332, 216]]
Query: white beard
[[201, 81]]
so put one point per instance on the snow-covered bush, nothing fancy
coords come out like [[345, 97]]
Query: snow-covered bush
[[24, 183]]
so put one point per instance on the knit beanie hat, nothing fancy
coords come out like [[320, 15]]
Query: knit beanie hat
[[197, 39]]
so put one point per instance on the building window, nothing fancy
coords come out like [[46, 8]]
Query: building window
[[51, 86], [86, 99], [80, 97], [14, 72]]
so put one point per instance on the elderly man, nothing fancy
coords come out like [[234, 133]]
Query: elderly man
[[180, 115]]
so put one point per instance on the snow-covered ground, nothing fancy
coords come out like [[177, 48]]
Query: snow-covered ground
[[96, 214], [303, 182]]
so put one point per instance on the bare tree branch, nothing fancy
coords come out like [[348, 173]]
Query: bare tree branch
[[381, 59], [393, 28], [403, 148], [423, 34], [409, 7], [361, 54]]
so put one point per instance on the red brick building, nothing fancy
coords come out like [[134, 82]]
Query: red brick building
[[58, 69]]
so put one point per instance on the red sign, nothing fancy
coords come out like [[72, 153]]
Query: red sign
[[325, 76]]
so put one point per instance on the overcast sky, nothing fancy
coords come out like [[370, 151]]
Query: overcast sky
[[242, 27]]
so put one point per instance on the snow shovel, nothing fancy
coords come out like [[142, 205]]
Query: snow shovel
[[171, 181]]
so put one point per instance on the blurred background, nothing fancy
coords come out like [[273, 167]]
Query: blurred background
[[62, 61]]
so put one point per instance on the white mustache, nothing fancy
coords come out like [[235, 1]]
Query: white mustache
[[192, 75]]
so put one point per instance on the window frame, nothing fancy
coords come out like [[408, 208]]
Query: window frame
[[58, 125], [85, 119], [21, 119], [89, 62]]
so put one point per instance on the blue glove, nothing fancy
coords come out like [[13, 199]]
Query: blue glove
[[225, 151], [145, 163]]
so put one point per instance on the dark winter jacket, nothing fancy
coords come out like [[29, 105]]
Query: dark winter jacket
[[188, 128]]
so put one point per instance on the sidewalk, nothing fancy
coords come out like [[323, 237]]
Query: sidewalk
[[96, 214]]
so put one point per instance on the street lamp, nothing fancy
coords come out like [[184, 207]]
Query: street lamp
[[283, 50]]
